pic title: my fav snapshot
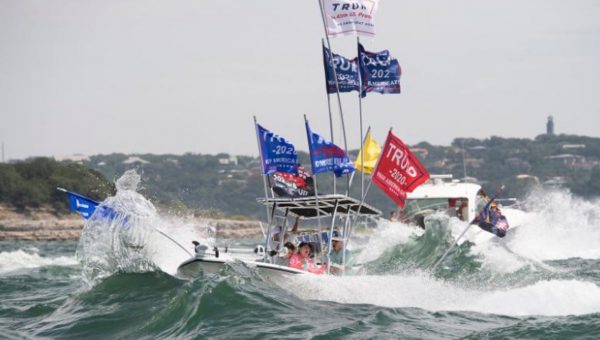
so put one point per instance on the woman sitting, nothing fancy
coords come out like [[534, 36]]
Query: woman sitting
[[301, 260]]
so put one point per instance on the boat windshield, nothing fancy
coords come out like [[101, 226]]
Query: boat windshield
[[416, 209], [425, 206]]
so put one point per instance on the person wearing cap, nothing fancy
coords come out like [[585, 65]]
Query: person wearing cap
[[337, 256], [301, 260]]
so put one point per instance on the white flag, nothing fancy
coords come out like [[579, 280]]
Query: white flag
[[343, 17]]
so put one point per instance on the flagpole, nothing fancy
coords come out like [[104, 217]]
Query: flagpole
[[362, 173], [329, 109], [314, 176], [363, 197], [337, 87], [262, 162], [362, 158]]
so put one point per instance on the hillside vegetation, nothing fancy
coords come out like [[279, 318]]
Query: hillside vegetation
[[32, 183], [227, 186]]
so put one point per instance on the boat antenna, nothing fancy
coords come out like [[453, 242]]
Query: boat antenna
[[463, 159]]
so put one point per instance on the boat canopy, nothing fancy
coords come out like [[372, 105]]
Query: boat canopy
[[320, 206]]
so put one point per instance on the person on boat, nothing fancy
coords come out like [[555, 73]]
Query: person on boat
[[451, 210], [276, 235], [491, 220], [402, 216], [301, 260], [337, 257], [284, 258], [463, 211], [393, 216], [481, 200]]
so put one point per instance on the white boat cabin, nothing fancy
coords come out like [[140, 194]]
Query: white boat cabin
[[441, 193]]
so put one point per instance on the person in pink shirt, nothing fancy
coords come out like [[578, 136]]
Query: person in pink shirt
[[301, 260]]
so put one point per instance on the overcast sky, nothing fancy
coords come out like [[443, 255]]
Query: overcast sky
[[104, 76]]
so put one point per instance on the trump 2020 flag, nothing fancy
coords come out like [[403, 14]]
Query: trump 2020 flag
[[326, 156], [379, 72], [345, 69], [343, 17], [398, 170], [277, 153], [81, 204]]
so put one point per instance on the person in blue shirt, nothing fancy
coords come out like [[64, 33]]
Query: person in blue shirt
[[491, 220], [337, 257]]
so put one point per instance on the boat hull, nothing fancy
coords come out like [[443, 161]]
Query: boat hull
[[202, 265]]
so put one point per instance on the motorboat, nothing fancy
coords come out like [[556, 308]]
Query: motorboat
[[453, 198], [267, 257]]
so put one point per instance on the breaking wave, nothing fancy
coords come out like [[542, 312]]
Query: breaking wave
[[29, 258]]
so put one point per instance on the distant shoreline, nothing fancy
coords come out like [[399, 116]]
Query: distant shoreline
[[43, 225]]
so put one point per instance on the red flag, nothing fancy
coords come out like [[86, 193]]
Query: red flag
[[398, 170]]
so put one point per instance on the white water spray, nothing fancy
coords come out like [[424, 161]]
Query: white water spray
[[126, 234]]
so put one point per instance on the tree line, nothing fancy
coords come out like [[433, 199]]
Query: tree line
[[224, 186], [32, 183]]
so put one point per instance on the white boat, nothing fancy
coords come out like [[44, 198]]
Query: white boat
[[265, 257], [454, 198]]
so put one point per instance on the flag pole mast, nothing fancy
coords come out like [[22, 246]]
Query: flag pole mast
[[363, 197], [329, 109], [337, 88], [262, 162], [362, 154], [362, 158], [308, 134]]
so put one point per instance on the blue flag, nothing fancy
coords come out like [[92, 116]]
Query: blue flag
[[326, 156], [277, 153], [346, 70], [81, 204], [379, 72], [87, 207]]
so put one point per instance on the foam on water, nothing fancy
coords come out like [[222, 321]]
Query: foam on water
[[387, 235], [553, 297], [26, 259], [558, 226], [562, 227]]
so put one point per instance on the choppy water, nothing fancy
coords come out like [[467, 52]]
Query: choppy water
[[541, 281]]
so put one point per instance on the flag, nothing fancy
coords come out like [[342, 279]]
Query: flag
[[344, 17], [379, 72], [371, 150], [345, 69], [88, 208], [289, 185], [276, 152], [81, 204], [398, 170], [326, 156]]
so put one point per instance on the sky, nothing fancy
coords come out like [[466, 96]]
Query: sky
[[177, 76]]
